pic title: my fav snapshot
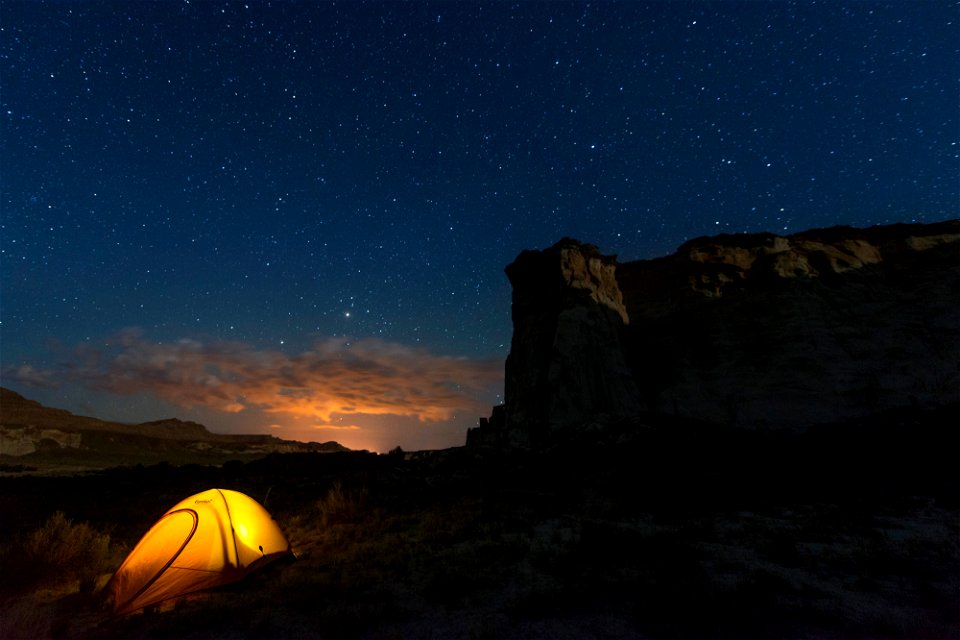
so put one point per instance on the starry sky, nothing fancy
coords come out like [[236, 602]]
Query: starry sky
[[293, 217]]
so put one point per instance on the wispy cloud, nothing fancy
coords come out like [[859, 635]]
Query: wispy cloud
[[28, 375], [334, 378]]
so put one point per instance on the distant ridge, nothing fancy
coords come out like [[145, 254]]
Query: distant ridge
[[18, 410], [34, 437]]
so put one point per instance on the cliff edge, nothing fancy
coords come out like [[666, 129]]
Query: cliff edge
[[756, 330]]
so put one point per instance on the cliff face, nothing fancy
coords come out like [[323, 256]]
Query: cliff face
[[568, 321], [758, 330]]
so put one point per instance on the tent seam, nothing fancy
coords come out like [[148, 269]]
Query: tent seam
[[233, 533], [149, 583]]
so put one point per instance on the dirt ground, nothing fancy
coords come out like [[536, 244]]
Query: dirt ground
[[657, 535]]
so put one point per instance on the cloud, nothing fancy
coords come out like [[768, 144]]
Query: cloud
[[27, 375], [336, 377]]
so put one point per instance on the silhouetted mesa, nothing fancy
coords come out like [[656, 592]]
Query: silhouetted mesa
[[752, 331]]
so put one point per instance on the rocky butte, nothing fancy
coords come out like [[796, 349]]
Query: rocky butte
[[754, 331]]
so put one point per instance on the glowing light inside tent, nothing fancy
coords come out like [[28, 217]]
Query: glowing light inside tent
[[209, 539]]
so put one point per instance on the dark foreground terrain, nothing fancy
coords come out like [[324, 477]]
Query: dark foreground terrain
[[649, 531]]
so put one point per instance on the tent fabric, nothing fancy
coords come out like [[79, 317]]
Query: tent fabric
[[209, 539]]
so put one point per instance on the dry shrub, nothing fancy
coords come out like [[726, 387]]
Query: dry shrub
[[62, 551], [340, 505]]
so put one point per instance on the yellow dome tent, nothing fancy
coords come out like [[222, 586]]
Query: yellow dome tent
[[204, 541]]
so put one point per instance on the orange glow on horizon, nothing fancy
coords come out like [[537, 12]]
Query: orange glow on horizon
[[351, 436], [389, 392], [337, 376], [325, 410]]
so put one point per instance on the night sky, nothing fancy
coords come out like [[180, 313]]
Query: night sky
[[293, 218]]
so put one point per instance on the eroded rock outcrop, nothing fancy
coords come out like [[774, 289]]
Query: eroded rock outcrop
[[569, 325], [21, 441], [753, 330]]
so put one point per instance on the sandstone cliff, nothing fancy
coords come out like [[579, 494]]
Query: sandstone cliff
[[754, 330], [568, 320]]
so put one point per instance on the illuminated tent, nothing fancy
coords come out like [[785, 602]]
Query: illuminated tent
[[209, 539]]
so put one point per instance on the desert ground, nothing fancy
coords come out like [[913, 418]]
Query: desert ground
[[656, 531]]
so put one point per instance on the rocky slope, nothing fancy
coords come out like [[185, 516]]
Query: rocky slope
[[754, 330], [37, 437]]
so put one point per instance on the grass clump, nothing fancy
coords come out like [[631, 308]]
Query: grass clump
[[340, 506]]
